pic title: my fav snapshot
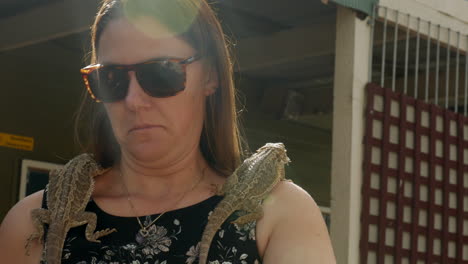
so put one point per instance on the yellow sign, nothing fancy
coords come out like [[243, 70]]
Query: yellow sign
[[16, 142]]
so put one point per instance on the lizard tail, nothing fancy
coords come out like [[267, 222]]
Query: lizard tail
[[54, 244], [216, 219]]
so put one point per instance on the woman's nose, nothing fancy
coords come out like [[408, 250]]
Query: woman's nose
[[136, 96]]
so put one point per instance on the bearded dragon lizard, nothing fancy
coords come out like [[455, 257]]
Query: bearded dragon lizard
[[245, 190], [69, 191]]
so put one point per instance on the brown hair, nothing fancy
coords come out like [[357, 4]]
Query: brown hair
[[195, 22]]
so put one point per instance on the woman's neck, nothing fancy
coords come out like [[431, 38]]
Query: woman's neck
[[152, 180]]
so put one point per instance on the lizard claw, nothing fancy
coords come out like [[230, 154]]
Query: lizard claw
[[32, 237], [219, 189], [216, 189], [101, 233]]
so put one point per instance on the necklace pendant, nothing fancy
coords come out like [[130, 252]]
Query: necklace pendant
[[141, 236]]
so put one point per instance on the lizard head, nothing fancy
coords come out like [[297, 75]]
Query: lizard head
[[87, 164], [278, 150]]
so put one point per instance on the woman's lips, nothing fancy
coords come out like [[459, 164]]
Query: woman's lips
[[142, 127]]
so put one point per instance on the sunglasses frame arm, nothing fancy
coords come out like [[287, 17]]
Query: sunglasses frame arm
[[85, 74]]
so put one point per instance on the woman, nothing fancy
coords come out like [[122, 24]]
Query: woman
[[163, 121]]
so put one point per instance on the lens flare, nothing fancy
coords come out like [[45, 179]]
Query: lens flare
[[175, 16]]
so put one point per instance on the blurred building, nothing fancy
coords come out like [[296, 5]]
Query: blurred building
[[303, 69]]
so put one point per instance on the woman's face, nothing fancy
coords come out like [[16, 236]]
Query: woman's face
[[149, 128]]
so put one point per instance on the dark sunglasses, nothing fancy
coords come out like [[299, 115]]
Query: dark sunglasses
[[158, 78]]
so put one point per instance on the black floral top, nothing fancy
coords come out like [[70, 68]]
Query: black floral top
[[173, 239]]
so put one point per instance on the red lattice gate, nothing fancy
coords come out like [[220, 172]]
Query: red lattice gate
[[415, 185]]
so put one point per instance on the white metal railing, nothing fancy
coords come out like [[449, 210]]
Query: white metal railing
[[419, 58]]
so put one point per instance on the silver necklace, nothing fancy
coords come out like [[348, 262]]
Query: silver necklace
[[142, 234]]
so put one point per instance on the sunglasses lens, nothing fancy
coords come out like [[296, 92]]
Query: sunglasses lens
[[161, 79], [157, 78], [109, 84]]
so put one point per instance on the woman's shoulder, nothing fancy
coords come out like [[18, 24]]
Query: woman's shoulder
[[285, 197], [21, 211], [17, 227], [292, 218]]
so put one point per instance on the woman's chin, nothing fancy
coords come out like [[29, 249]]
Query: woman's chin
[[147, 150]]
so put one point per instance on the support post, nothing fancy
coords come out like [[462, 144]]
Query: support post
[[351, 75]]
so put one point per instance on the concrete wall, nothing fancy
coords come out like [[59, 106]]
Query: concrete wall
[[455, 10]]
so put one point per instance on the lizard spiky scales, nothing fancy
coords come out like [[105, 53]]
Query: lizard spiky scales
[[68, 192], [245, 191]]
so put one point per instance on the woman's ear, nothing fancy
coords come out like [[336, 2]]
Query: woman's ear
[[212, 81]]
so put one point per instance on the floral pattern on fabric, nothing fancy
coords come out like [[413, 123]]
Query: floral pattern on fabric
[[174, 239], [228, 253], [159, 240], [158, 245]]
